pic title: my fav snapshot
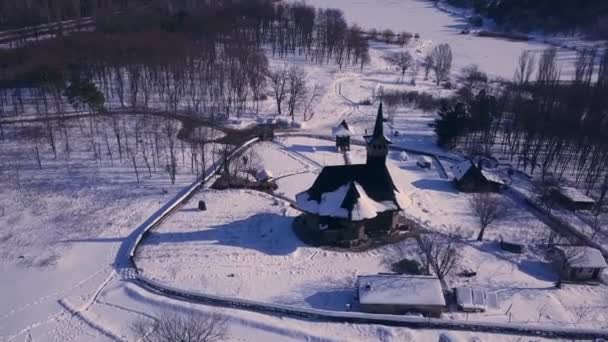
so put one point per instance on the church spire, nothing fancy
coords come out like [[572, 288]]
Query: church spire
[[377, 143], [379, 127], [378, 135]]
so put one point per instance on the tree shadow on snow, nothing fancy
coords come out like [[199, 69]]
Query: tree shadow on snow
[[267, 233], [312, 149], [435, 185]]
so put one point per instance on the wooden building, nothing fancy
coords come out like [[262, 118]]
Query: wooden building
[[348, 203], [400, 294], [469, 177], [579, 263], [573, 199]]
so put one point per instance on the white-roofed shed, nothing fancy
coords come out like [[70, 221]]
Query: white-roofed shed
[[399, 294]]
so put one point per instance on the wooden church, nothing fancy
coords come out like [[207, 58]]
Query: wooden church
[[348, 203]]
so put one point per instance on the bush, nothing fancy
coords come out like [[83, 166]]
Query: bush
[[365, 102], [407, 266]]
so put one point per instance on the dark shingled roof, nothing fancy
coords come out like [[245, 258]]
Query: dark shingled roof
[[375, 180], [344, 124]]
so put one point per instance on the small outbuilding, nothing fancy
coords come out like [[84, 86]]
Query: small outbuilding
[[573, 199], [469, 177], [424, 162], [263, 175], [400, 294], [342, 134], [472, 299], [579, 263]]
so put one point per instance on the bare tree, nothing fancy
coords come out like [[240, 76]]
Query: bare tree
[[525, 68], [35, 135], [402, 60], [278, 79], [313, 95], [581, 312], [597, 223], [297, 89], [404, 38], [441, 62], [487, 208], [427, 63], [438, 254], [472, 77], [173, 327], [544, 189], [134, 162], [387, 35]]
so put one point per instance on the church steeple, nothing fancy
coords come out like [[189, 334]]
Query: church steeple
[[377, 143]]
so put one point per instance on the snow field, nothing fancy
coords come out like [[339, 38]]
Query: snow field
[[61, 226]]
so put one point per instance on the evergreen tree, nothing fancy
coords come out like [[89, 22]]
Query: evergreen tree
[[452, 124]]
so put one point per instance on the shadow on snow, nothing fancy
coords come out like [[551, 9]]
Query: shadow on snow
[[267, 233], [435, 185]]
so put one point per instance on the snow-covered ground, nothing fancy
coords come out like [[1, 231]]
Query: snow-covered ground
[[61, 227], [498, 57]]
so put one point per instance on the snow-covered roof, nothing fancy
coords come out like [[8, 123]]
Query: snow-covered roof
[[424, 160], [354, 192], [583, 257], [400, 290], [334, 204], [475, 298], [460, 169], [343, 130], [492, 177], [575, 195], [263, 175]]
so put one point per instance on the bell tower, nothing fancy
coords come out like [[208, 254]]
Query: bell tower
[[377, 143]]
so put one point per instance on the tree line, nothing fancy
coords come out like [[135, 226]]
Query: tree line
[[547, 126], [198, 57], [552, 15]]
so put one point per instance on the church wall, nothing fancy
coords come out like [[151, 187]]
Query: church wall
[[382, 224]]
